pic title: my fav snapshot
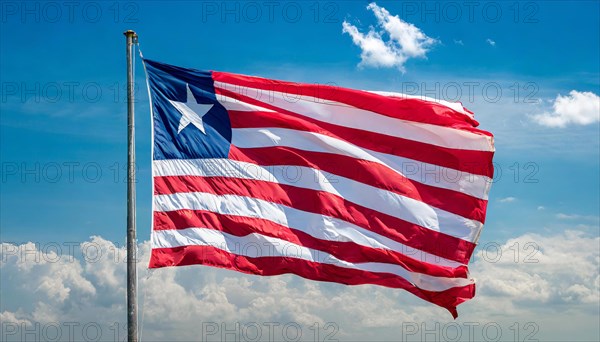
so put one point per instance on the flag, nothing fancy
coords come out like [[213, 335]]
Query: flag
[[269, 177]]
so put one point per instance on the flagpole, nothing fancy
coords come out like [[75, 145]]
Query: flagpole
[[132, 336]]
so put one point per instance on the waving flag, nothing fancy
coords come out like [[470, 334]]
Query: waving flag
[[269, 177]]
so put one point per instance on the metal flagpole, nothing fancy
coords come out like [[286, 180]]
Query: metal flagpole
[[132, 336]]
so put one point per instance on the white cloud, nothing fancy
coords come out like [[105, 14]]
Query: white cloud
[[538, 269], [459, 42], [562, 216], [491, 42], [541, 207], [507, 199], [405, 40], [528, 276], [577, 108]]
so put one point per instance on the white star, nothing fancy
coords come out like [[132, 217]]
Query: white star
[[191, 111]]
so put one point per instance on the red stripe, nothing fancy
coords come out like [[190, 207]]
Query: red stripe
[[476, 162], [366, 172], [409, 109], [348, 251], [324, 203], [269, 266]]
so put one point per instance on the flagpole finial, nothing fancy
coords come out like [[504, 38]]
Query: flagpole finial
[[130, 33]]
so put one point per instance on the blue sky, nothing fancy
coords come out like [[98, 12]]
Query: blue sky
[[64, 116]]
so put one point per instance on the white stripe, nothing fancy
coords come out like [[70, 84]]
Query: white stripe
[[257, 245], [233, 104], [430, 174], [368, 196], [348, 116], [316, 225]]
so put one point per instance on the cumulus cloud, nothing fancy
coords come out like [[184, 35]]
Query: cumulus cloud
[[491, 42], [405, 40], [577, 108], [42, 288], [528, 276], [538, 270]]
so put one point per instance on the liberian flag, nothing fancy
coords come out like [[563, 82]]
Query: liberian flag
[[355, 187]]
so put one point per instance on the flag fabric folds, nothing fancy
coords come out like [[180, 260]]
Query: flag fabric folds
[[355, 187]]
